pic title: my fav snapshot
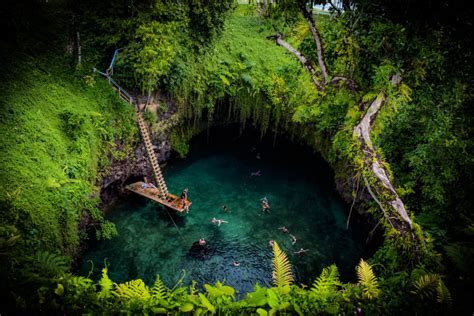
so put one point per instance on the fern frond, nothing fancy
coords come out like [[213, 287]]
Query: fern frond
[[106, 285], [159, 290], [368, 280], [282, 274], [326, 284], [50, 264], [443, 295], [134, 289], [425, 286]]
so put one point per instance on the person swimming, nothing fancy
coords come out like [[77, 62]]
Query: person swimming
[[202, 242], [265, 205], [271, 243], [284, 229], [257, 173], [293, 239], [225, 208], [218, 221], [300, 251], [236, 264]]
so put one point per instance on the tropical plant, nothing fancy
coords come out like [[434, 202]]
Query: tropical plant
[[135, 289], [368, 280], [429, 286], [326, 285], [49, 264], [282, 270]]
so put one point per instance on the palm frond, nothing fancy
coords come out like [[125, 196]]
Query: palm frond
[[326, 284], [282, 274], [368, 280], [159, 290], [134, 289]]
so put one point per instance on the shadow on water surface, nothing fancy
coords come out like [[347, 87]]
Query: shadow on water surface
[[218, 171]]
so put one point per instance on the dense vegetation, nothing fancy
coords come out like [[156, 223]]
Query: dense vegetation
[[60, 126]]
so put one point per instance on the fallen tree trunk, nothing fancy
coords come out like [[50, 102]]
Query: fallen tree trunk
[[374, 163]]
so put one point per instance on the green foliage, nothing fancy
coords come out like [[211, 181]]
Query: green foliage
[[368, 280], [58, 130], [179, 141], [107, 231], [282, 270], [326, 286], [57, 134], [49, 264], [152, 53]]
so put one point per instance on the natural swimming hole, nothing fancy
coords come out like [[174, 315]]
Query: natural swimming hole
[[218, 171]]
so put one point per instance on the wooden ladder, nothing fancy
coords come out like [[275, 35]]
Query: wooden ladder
[[151, 155]]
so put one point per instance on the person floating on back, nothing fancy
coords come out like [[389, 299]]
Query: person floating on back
[[293, 239], [218, 221], [257, 173], [300, 251]]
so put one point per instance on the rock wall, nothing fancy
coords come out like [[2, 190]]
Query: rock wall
[[137, 164]]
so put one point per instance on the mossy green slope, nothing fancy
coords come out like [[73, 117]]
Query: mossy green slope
[[57, 133]]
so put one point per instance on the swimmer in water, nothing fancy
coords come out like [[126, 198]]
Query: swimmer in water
[[293, 239], [283, 229], [225, 208], [300, 251], [258, 156], [257, 173], [202, 242], [271, 243], [218, 221], [265, 205], [236, 264]]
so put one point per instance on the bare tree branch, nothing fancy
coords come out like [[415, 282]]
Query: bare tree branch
[[305, 62], [317, 38]]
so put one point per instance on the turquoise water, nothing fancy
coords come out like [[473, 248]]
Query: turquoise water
[[298, 185]]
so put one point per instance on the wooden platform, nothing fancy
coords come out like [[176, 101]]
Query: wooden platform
[[173, 202]]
